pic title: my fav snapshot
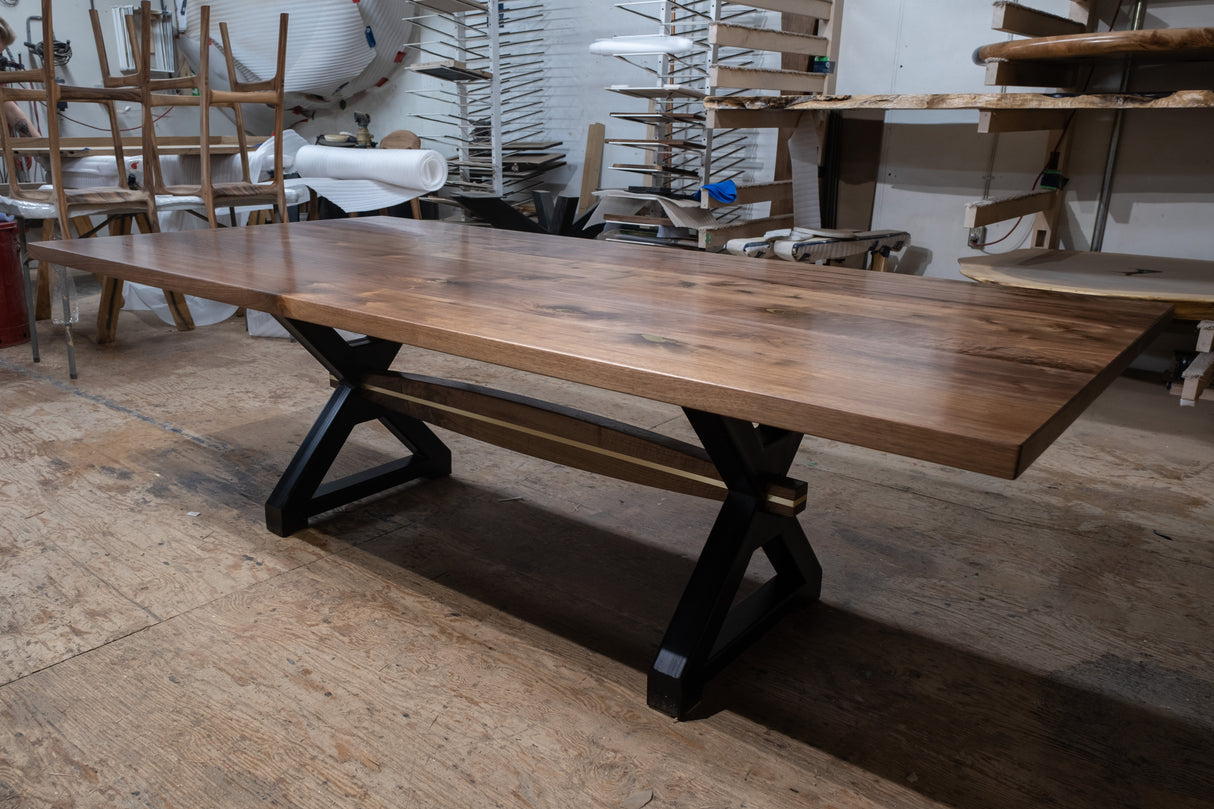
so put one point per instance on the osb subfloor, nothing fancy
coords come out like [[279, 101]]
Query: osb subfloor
[[481, 641]]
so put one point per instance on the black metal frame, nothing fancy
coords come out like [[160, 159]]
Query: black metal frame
[[300, 493], [707, 629]]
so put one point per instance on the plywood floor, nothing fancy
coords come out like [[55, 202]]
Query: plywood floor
[[481, 641]]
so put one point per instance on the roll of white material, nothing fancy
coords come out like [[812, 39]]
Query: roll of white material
[[409, 168], [637, 45], [369, 179]]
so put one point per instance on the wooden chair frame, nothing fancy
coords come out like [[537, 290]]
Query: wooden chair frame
[[158, 93], [132, 84], [70, 203], [117, 198]]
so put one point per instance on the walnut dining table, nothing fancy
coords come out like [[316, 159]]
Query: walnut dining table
[[756, 353]]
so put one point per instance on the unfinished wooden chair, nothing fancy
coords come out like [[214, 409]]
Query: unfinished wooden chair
[[197, 91], [55, 200], [131, 83]]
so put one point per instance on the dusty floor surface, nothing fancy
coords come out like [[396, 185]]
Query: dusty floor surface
[[482, 640]]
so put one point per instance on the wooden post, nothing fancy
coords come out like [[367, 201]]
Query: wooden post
[[1045, 223], [42, 294], [797, 24], [592, 166]]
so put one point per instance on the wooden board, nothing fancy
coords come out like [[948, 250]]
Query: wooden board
[[645, 168], [592, 167], [530, 145], [1205, 335], [745, 78], [1014, 18], [955, 373], [1179, 99], [663, 144], [1160, 44], [515, 162], [820, 9], [172, 144], [750, 194], [740, 36], [451, 70], [1188, 284], [664, 91], [1197, 377], [660, 117], [992, 121], [986, 212]]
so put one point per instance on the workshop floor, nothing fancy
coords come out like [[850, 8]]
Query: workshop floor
[[482, 640]]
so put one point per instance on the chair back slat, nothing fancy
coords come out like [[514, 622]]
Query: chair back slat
[[206, 96], [43, 88]]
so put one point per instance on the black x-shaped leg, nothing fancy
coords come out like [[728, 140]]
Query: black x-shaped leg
[[300, 492], [708, 629]]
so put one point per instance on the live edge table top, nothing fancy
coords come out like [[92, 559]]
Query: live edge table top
[[972, 376]]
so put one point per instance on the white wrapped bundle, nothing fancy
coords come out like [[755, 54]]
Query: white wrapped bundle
[[369, 179]]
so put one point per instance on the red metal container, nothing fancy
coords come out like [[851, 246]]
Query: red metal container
[[14, 316]]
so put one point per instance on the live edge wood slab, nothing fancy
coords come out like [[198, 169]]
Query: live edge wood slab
[[756, 353]]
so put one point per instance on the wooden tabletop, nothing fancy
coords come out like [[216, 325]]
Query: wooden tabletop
[[1158, 44], [973, 376], [1186, 283]]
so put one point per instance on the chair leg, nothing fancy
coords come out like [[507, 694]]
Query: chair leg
[[42, 292], [27, 286], [111, 292], [107, 311], [42, 297], [69, 334], [178, 308], [65, 297]]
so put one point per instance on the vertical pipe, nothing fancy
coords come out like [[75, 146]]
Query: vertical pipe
[[706, 173], [663, 130], [1110, 161], [496, 13]]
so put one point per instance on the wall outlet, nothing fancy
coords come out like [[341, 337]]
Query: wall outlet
[[977, 237]]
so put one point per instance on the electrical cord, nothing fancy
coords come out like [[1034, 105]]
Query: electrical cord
[[61, 52], [106, 129]]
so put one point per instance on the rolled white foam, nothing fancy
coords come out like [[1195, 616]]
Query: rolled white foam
[[423, 169]]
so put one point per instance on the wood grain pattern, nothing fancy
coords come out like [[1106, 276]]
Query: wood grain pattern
[[1156, 44], [1187, 284], [1178, 99], [967, 375]]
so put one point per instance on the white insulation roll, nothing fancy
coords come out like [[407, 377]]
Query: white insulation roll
[[369, 179], [638, 45]]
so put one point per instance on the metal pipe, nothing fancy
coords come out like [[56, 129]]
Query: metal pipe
[[1110, 161]]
